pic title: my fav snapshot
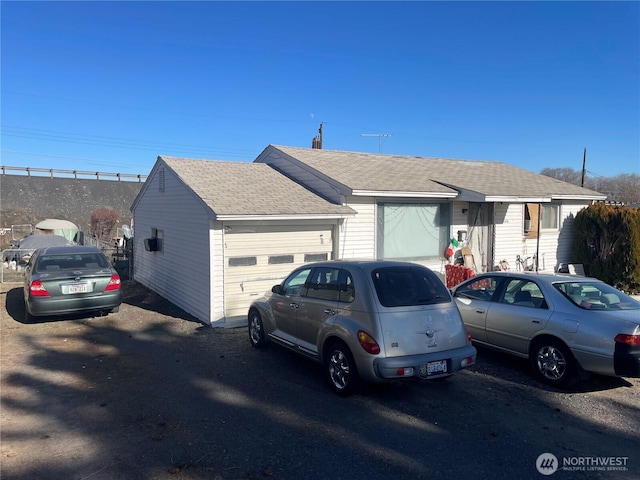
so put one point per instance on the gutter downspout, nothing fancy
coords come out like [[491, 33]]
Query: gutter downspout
[[538, 237]]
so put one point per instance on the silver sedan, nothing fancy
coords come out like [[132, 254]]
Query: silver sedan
[[565, 325], [375, 321]]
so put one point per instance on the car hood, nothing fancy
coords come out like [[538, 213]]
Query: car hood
[[422, 329]]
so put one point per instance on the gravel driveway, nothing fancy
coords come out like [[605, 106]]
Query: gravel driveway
[[149, 393]]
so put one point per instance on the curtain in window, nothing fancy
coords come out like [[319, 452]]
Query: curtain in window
[[412, 231], [549, 216]]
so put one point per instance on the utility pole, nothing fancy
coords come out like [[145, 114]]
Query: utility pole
[[584, 163], [379, 135]]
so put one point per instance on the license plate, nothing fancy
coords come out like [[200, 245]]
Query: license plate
[[77, 288], [434, 368]]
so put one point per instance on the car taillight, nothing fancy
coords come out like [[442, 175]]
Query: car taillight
[[628, 339], [466, 362], [368, 343], [114, 283], [36, 289]]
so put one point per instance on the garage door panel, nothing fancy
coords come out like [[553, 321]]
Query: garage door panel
[[244, 283]]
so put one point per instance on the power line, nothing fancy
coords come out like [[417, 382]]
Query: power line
[[131, 144]]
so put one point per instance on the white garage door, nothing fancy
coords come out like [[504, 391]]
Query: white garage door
[[256, 258]]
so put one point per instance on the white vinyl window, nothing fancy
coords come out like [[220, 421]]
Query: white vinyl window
[[550, 216], [412, 231]]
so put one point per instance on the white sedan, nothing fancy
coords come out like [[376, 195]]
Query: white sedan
[[565, 325]]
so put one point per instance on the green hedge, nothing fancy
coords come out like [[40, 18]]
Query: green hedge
[[608, 244]]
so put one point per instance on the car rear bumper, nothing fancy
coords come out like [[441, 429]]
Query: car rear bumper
[[395, 368], [43, 306], [626, 360]]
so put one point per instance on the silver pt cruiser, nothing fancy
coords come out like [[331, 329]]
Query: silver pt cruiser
[[375, 321]]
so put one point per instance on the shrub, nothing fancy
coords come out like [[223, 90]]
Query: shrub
[[608, 244]]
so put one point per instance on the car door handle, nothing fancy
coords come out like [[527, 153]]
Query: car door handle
[[293, 305], [480, 311], [535, 321], [330, 312]]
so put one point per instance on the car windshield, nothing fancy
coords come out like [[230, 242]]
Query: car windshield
[[596, 296], [49, 263], [404, 286]]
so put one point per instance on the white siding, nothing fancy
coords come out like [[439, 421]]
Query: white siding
[[508, 232], [181, 271], [554, 245], [216, 294], [460, 219], [358, 234], [566, 237]]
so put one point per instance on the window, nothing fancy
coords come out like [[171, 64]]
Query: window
[[550, 216], [523, 293], [531, 213], [402, 286], [242, 261], [294, 284], [479, 289], [413, 231], [324, 284], [347, 290], [277, 259], [315, 257]]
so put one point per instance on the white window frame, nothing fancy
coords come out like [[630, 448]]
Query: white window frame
[[544, 212], [437, 234]]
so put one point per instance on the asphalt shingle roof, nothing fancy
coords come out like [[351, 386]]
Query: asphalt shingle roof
[[395, 173], [249, 189]]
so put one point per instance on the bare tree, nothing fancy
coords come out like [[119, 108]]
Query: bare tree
[[624, 188], [102, 222], [568, 175]]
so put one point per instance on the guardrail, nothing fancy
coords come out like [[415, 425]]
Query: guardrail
[[74, 173]]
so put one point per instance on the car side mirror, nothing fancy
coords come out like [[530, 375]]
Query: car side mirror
[[278, 289]]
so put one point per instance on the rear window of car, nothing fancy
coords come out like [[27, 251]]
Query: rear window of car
[[399, 286], [84, 261], [596, 296]]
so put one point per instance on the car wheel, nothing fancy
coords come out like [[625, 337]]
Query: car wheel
[[256, 330], [341, 370], [552, 362]]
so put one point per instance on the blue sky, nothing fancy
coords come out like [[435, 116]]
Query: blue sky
[[109, 86]]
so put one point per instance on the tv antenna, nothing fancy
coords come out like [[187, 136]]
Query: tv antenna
[[379, 135]]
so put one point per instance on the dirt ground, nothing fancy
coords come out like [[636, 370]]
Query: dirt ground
[[150, 393]]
